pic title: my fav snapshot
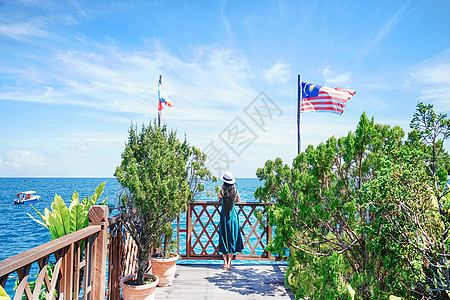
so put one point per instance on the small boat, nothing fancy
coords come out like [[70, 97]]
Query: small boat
[[26, 197]]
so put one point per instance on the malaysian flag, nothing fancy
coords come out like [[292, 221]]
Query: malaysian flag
[[162, 96], [324, 99]]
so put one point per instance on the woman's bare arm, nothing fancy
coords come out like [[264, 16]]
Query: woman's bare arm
[[238, 198]]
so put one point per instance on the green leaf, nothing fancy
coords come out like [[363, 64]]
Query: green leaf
[[85, 201], [98, 192], [37, 221], [351, 291], [75, 200], [47, 215], [55, 228], [77, 218], [45, 219], [60, 215]]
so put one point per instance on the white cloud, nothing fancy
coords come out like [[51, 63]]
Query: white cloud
[[226, 23], [22, 30], [66, 154], [334, 78], [278, 73], [23, 158], [112, 80], [432, 79]]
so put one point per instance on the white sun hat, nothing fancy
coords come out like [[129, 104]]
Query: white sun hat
[[228, 178]]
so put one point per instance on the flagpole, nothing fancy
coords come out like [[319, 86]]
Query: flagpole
[[299, 108], [159, 111]]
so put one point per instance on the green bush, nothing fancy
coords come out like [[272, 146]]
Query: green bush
[[159, 174], [367, 210]]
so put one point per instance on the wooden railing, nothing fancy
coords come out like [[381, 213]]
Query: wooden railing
[[202, 229], [81, 254]]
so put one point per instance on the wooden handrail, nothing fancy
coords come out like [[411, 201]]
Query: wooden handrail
[[70, 263], [15, 262]]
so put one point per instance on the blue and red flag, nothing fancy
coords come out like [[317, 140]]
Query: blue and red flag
[[162, 96], [324, 99]]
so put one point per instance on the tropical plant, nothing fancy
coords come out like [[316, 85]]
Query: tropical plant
[[63, 220], [362, 210], [159, 174]]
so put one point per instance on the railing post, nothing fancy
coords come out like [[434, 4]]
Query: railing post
[[178, 234], [269, 237], [66, 284], [115, 259], [98, 215], [269, 234], [189, 228]]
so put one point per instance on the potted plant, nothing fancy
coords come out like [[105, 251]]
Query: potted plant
[[164, 262], [159, 174]]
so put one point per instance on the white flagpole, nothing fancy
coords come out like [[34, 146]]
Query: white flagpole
[[159, 112], [299, 108]]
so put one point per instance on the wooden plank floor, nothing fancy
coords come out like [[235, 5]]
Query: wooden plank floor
[[244, 281]]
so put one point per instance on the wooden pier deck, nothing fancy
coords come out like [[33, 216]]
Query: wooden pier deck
[[243, 281]]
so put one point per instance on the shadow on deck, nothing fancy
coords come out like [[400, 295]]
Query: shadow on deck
[[244, 281]]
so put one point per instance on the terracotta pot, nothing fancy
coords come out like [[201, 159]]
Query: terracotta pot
[[138, 292], [164, 269]]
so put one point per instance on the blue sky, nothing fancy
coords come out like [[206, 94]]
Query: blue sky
[[75, 74]]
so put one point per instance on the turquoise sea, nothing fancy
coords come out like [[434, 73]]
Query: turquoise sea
[[20, 233]]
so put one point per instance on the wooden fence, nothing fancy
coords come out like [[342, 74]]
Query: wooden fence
[[81, 254], [202, 228], [81, 257]]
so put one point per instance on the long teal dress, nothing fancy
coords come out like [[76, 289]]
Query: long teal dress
[[230, 239]]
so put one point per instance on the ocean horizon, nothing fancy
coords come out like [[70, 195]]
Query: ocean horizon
[[20, 233]]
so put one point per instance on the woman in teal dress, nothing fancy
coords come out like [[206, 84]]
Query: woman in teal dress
[[230, 239]]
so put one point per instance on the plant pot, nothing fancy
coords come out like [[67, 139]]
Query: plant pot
[[135, 292], [165, 269]]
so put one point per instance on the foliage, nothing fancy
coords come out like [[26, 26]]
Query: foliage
[[362, 210], [63, 220], [434, 129], [431, 127], [160, 174], [197, 172], [316, 277], [429, 132]]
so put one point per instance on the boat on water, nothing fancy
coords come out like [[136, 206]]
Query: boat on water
[[26, 197]]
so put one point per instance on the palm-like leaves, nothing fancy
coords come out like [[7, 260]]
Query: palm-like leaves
[[63, 220]]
